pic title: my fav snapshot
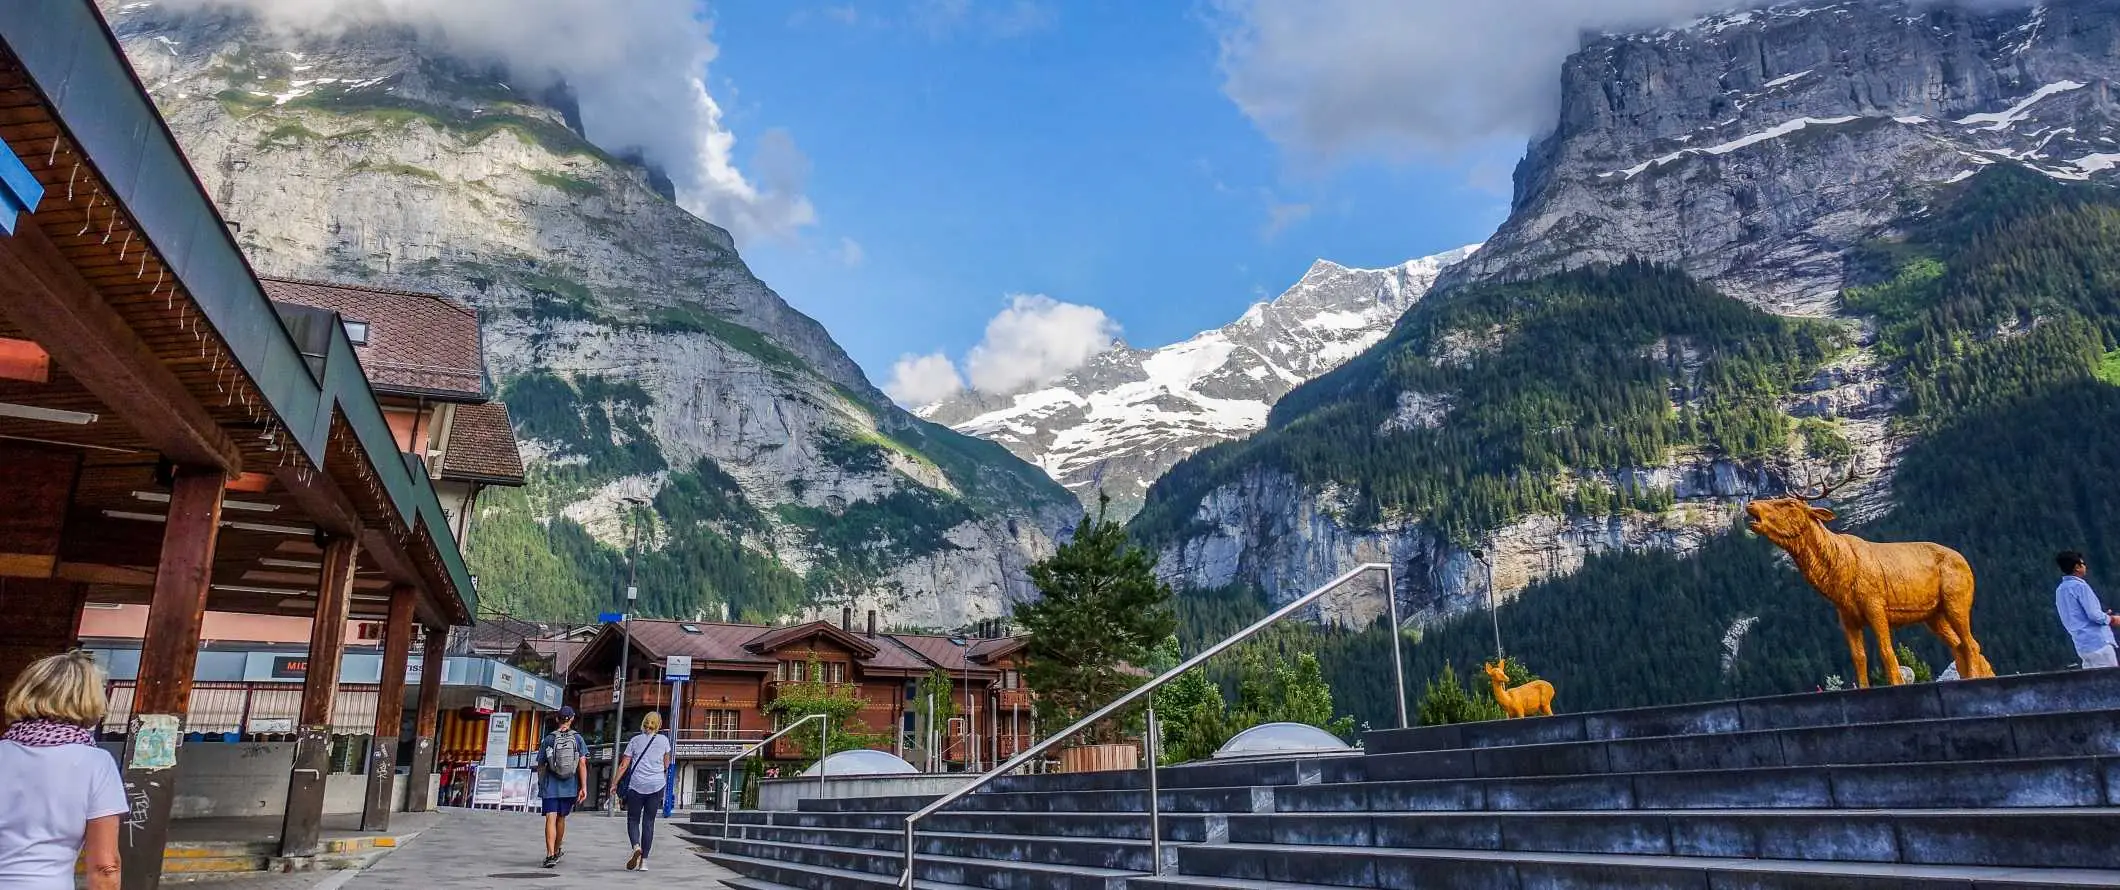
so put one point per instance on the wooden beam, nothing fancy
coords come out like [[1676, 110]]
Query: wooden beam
[[313, 493], [389, 710], [169, 652], [417, 799], [43, 295], [94, 573], [300, 834]]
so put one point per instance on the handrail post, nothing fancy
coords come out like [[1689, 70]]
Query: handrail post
[[1013, 763], [824, 750], [1398, 660], [729, 770], [1155, 804]]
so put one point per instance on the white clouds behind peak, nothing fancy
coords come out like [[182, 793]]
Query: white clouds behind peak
[[1032, 340], [918, 380], [639, 69], [1035, 339]]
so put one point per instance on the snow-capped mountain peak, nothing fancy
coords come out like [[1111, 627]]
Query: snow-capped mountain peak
[[1126, 415]]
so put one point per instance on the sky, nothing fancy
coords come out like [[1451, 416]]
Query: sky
[[1000, 188]]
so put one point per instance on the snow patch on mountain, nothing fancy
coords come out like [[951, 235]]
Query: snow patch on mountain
[[1125, 416]]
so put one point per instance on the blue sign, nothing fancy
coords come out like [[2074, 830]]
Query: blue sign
[[19, 191], [610, 617]]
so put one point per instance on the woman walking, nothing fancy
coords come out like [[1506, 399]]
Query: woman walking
[[60, 795], [640, 785]]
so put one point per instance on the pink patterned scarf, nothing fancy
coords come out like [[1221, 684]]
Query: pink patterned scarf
[[48, 734]]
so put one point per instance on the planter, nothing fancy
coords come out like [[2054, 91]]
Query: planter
[[1098, 758]]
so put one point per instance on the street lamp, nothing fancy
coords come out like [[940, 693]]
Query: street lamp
[[1492, 616], [625, 613]]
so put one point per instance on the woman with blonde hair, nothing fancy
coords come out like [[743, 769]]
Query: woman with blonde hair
[[60, 795], [640, 784]]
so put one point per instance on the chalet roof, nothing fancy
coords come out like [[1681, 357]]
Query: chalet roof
[[562, 651], [948, 655], [482, 446], [422, 344], [755, 644], [781, 636]]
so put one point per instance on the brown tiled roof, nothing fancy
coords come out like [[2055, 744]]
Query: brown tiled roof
[[948, 655], [562, 652], [416, 342], [781, 636], [482, 446], [726, 644]]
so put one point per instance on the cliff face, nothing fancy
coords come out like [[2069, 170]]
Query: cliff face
[[638, 353], [1753, 148], [1128, 414]]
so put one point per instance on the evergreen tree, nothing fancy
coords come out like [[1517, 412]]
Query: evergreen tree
[[1100, 615], [1444, 701], [1193, 716]]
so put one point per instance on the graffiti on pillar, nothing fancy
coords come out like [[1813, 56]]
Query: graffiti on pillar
[[136, 809], [154, 742]]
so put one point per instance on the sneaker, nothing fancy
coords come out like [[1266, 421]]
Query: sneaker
[[634, 863], [559, 854], [552, 860], [643, 864]]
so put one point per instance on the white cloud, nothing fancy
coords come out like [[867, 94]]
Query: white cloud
[[1035, 339], [850, 253], [918, 380], [638, 67], [1398, 79]]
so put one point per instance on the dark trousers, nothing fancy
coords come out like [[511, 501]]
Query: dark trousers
[[641, 810]]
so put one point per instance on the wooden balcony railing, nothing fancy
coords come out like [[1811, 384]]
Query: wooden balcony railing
[[1013, 699], [639, 694]]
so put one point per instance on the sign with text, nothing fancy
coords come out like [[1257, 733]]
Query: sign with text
[[679, 668], [486, 787], [290, 667], [498, 725]]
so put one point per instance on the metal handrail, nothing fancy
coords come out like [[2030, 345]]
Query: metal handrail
[[728, 776], [1398, 673]]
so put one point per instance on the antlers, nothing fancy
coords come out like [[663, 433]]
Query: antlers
[[1825, 491]]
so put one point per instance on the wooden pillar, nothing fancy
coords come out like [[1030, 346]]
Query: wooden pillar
[[301, 831], [431, 658], [389, 712], [169, 652], [43, 618]]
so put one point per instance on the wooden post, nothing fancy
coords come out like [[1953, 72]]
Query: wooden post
[[389, 712], [302, 829], [169, 652], [436, 650]]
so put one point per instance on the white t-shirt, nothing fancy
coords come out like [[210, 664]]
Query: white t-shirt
[[648, 753], [47, 796]]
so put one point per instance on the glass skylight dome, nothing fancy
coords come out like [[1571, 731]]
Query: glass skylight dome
[[1273, 739], [861, 762]]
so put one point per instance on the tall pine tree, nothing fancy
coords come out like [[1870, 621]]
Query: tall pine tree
[[1100, 615]]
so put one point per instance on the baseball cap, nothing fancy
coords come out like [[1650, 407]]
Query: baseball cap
[[566, 712]]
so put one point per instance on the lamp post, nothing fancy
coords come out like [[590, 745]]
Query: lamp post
[[618, 689], [1492, 616]]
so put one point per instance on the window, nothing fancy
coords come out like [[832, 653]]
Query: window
[[357, 331], [720, 724], [834, 671], [791, 671], [1009, 679]]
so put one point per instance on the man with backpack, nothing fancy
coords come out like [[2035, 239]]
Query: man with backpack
[[559, 781]]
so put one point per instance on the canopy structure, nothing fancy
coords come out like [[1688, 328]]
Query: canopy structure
[[861, 762], [1281, 739]]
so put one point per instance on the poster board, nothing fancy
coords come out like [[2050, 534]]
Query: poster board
[[486, 787], [518, 788], [498, 725]]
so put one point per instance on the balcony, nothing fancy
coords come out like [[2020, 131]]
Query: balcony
[[1013, 700], [640, 694], [773, 687]]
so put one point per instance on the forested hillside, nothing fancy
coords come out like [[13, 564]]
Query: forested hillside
[[1998, 308]]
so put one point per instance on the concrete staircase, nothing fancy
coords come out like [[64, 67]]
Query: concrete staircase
[[2001, 783]]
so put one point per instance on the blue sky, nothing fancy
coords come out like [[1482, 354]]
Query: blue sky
[[959, 153]]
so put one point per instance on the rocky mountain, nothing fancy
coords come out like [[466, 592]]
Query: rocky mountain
[[1124, 417], [1766, 153], [642, 360], [1753, 148]]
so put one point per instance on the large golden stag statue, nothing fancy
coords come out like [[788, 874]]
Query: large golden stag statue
[[1535, 697], [1874, 585]]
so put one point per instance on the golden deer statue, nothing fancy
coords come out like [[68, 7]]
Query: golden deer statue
[[1876, 585], [1535, 697]]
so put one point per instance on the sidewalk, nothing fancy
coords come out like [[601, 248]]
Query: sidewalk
[[486, 850]]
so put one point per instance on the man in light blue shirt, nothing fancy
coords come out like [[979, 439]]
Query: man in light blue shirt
[[2089, 626]]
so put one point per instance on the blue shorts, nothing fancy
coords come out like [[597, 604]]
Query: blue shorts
[[560, 806]]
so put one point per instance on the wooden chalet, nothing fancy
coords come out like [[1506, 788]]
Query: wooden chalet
[[165, 440]]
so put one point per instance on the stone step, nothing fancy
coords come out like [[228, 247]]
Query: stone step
[[773, 874], [2037, 782], [1173, 800], [1084, 825], [2061, 691], [1210, 774], [2084, 837], [1935, 739], [1113, 853], [1312, 866], [886, 866]]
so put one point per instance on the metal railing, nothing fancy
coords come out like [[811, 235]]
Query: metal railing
[[1155, 828], [728, 778]]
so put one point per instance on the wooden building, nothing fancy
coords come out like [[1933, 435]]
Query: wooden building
[[737, 669], [165, 440]]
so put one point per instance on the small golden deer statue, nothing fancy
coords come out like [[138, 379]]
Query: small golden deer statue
[[1875, 585], [1535, 697]]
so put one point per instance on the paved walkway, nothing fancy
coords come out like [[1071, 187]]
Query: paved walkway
[[486, 850]]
